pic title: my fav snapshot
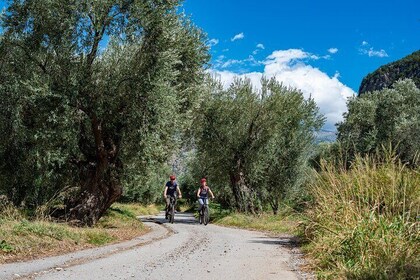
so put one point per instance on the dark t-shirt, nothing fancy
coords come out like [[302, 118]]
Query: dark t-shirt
[[171, 188], [204, 192]]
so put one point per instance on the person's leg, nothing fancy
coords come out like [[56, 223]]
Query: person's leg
[[167, 200], [201, 203], [175, 201], [200, 207]]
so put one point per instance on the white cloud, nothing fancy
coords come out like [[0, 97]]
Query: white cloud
[[238, 37], [381, 53], [288, 57], [332, 50], [370, 51], [260, 46], [212, 42], [227, 77], [231, 62], [373, 53], [220, 59], [222, 63], [290, 67]]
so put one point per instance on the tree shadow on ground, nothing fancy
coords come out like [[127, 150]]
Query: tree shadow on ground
[[290, 242], [180, 218]]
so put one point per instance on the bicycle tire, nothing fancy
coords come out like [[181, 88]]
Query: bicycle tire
[[201, 215], [206, 215], [172, 213]]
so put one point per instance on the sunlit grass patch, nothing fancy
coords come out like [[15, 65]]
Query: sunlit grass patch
[[98, 237], [137, 209], [23, 237], [284, 222]]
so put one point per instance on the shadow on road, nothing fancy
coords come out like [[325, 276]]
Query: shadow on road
[[285, 241], [180, 218]]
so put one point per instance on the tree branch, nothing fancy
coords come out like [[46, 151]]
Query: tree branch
[[98, 36], [28, 54]]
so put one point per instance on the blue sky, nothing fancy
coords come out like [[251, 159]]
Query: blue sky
[[322, 47]]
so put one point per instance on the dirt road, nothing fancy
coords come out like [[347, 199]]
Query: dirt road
[[183, 250]]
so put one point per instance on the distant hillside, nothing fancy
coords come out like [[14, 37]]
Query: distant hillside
[[385, 76], [325, 136]]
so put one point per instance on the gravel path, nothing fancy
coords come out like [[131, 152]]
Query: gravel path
[[183, 250]]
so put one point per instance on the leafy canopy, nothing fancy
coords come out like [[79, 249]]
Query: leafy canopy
[[86, 84], [379, 118], [255, 142]]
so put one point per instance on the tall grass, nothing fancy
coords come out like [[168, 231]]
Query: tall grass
[[364, 223]]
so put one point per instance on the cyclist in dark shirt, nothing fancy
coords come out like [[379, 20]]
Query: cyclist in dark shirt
[[171, 189]]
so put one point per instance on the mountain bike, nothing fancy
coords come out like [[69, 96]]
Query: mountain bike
[[204, 214], [170, 212]]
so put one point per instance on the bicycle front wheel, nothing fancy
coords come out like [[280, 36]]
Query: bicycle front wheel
[[200, 217], [172, 211], [206, 215]]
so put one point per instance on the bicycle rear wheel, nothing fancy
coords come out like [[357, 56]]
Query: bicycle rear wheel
[[206, 215]]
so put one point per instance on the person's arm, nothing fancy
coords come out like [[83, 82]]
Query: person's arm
[[212, 195], [198, 192], [179, 191], [164, 192]]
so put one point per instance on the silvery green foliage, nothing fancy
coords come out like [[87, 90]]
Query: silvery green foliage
[[256, 142], [379, 118], [125, 72]]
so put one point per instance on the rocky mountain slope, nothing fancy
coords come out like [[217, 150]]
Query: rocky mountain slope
[[385, 76]]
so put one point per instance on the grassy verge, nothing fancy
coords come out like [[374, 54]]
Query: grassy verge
[[364, 223], [284, 222], [22, 239]]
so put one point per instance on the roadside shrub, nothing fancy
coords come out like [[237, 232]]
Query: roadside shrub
[[364, 222]]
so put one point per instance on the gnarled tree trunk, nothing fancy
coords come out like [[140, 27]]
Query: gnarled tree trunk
[[100, 181], [274, 202], [242, 192]]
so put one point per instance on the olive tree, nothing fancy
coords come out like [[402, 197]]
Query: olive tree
[[256, 141], [379, 118], [93, 92]]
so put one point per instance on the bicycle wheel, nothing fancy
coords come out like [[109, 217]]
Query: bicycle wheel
[[200, 216], [206, 215], [172, 213]]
